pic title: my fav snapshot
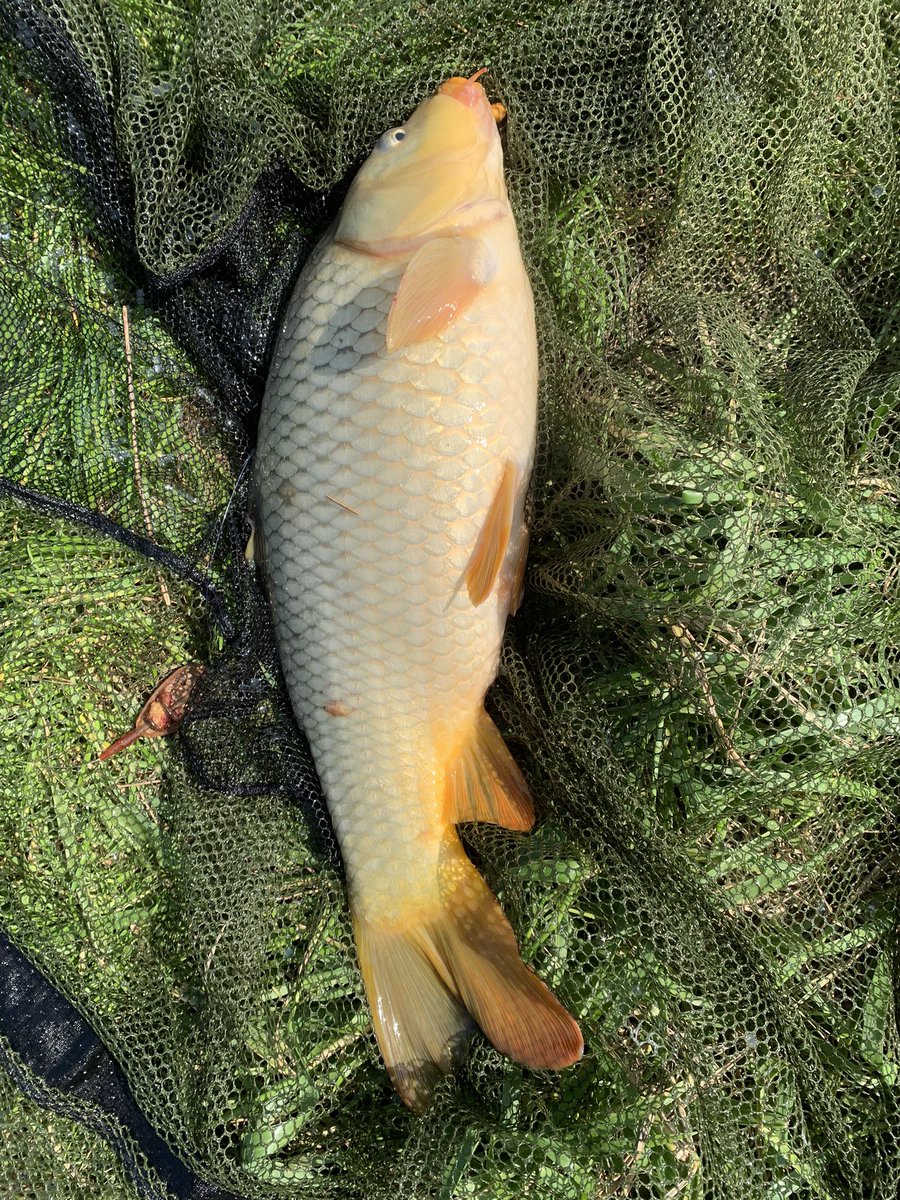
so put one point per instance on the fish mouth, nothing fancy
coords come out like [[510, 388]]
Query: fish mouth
[[468, 92]]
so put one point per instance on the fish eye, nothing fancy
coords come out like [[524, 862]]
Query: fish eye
[[392, 138]]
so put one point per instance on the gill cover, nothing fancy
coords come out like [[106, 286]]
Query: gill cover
[[442, 172]]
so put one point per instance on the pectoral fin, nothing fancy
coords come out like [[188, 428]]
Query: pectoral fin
[[490, 549], [442, 279]]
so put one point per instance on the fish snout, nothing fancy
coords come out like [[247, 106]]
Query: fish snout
[[467, 91]]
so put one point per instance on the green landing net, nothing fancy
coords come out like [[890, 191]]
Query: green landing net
[[701, 684]]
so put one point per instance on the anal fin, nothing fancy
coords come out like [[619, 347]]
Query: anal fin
[[484, 783]]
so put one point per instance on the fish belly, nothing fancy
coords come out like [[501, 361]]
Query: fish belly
[[374, 474]]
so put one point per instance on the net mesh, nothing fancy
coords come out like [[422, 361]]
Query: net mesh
[[701, 684], [61, 1153]]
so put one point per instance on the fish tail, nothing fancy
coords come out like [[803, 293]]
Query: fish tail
[[428, 981]]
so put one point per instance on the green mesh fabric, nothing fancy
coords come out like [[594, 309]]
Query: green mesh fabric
[[701, 685], [50, 1154]]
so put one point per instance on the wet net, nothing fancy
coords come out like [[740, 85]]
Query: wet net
[[701, 684]]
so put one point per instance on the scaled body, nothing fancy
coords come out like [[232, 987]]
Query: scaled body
[[394, 452], [374, 502]]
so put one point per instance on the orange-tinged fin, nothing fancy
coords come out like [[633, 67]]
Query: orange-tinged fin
[[517, 1011], [490, 549], [441, 280], [517, 579], [420, 1023], [424, 979], [484, 783]]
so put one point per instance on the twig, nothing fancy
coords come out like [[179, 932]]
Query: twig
[[794, 701], [341, 504], [632, 1160], [215, 946], [347, 1040], [136, 458], [685, 1152], [687, 641]]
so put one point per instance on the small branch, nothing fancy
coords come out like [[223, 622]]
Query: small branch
[[342, 1042], [794, 701], [136, 458], [688, 642], [215, 946]]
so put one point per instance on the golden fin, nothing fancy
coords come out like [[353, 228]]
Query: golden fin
[[484, 783], [441, 280], [422, 982], [420, 1023], [490, 549], [517, 1011], [517, 579]]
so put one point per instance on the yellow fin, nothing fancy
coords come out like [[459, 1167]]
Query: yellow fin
[[420, 1023], [517, 578], [490, 549], [484, 783], [423, 980], [517, 1011], [441, 280]]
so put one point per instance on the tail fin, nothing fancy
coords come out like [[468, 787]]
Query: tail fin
[[424, 981]]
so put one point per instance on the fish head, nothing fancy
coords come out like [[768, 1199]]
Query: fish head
[[439, 173]]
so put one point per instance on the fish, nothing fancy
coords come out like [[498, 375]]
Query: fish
[[395, 446]]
